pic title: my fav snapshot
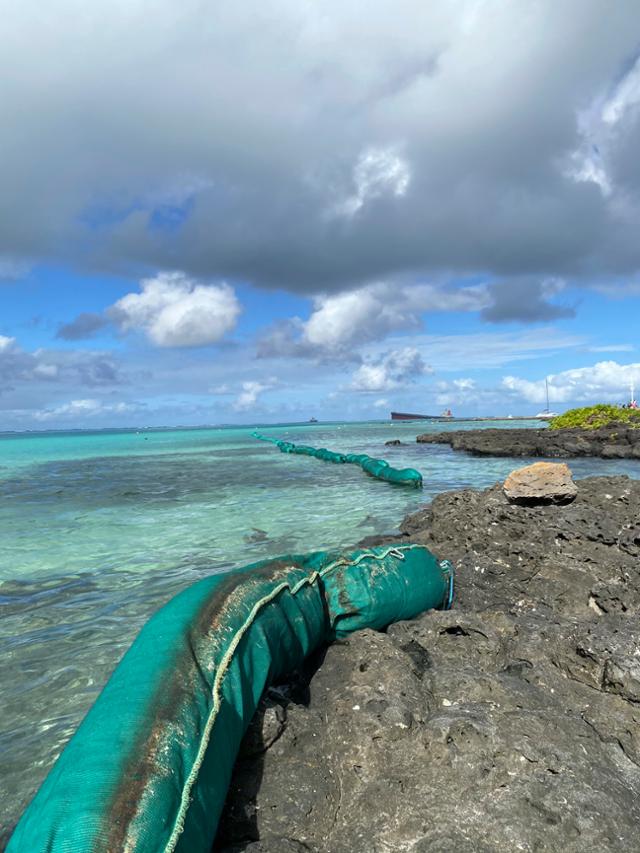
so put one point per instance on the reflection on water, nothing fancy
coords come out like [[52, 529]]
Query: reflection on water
[[99, 530]]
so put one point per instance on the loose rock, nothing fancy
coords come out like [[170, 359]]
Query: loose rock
[[542, 482]]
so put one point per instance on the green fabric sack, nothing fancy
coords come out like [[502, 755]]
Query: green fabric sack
[[378, 468], [149, 767]]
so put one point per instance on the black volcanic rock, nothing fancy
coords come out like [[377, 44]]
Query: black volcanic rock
[[511, 722], [610, 443]]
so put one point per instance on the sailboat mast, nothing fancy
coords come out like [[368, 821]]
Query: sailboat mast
[[546, 385]]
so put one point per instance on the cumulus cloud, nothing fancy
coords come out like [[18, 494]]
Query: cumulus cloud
[[394, 370], [251, 391], [361, 315], [464, 384], [174, 310], [606, 381], [525, 301], [340, 323], [458, 392]]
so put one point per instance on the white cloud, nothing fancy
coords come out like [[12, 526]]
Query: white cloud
[[625, 96], [6, 343], [586, 165], [599, 126], [612, 348], [381, 404], [356, 316], [370, 312], [82, 409], [461, 353], [378, 172], [457, 392], [251, 390], [464, 384], [174, 310], [390, 372], [605, 382], [46, 371]]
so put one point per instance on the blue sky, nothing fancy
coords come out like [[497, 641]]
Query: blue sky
[[412, 212]]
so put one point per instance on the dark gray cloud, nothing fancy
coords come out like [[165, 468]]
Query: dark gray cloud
[[85, 325], [284, 340], [525, 301], [417, 140], [98, 371]]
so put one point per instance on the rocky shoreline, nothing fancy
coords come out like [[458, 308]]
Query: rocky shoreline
[[511, 722], [616, 442]]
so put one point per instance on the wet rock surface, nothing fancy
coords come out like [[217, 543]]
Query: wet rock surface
[[511, 722], [616, 442]]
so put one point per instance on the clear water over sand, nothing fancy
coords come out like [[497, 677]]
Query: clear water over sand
[[97, 530]]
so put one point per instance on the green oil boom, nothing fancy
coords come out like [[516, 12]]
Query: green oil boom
[[149, 767]]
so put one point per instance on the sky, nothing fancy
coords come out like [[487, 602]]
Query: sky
[[278, 210]]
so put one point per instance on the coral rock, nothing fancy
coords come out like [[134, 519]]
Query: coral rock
[[542, 482]]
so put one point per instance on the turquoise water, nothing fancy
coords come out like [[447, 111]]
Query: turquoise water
[[97, 530]]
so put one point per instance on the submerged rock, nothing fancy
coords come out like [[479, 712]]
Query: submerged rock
[[394, 442], [511, 722], [542, 482]]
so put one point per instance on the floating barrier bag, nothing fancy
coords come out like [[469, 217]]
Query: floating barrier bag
[[375, 467], [149, 767]]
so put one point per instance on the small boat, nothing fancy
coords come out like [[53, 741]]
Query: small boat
[[313, 420]]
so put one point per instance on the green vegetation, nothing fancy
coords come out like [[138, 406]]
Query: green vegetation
[[594, 417]]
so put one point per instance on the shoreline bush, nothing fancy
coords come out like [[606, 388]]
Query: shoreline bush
[[596, 417]]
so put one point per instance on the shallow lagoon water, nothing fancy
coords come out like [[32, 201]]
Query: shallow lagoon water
[[97, 530]]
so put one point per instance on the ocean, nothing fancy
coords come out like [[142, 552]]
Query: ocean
[[99, 529]]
